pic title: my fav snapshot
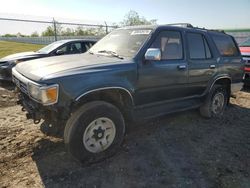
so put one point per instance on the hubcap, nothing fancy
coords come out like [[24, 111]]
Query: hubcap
[[218, 103], [99, 135]]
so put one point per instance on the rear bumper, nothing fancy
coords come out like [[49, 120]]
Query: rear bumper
[[235, 87]]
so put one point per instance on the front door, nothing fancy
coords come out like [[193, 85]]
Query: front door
[[165, 79]]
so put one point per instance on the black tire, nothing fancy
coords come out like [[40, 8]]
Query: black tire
[[79, 121], [206, 110]]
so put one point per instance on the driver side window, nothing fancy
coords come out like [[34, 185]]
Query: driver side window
[[170, 44]]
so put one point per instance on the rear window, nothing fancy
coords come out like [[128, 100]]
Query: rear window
[[226, 45]]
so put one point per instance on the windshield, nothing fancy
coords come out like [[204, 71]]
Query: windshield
[[246, 43], [122, 42], [49, 48]]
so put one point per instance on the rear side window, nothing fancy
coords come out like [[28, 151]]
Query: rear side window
[[225, 45], [170, 44], [198, 46]]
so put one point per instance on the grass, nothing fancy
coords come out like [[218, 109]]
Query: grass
[[8, 48]]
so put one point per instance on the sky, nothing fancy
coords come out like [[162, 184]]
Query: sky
[[217, 14]]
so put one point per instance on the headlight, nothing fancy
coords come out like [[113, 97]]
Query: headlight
[[46, 95]]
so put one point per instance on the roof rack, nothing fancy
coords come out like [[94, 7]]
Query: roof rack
[[217, 30], [214, 30], [191, 26], [181, 24]]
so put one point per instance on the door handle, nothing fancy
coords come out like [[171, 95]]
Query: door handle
[[212, 66], [182, 67]]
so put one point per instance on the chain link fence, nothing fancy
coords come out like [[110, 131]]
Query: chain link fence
[[54, 30], [45, 40], [70, 30]]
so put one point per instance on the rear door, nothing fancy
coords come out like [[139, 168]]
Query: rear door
[[230, 62], [201, 62]]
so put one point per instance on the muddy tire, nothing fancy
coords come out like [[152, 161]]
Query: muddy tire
[[215, 103], [94, 132]]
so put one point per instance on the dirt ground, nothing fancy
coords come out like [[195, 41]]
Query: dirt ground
[[180, 150]]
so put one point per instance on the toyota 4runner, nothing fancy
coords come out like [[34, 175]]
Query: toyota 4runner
[[132, 73]]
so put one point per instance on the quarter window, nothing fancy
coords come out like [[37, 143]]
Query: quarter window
[[170, 44], [198, 46], [225, 45]]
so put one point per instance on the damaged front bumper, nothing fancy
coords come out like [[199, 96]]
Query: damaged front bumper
[[38, 112], [33, 110]]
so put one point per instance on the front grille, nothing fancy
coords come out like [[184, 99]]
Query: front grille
[[22, 86]]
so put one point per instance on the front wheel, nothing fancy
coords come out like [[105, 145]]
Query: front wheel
[[215, 103], [94, 132]]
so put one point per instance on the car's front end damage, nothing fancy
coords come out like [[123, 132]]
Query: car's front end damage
[[48, 88], [38, 100]]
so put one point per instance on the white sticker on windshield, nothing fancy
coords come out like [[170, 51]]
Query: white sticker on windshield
[[140, 32]]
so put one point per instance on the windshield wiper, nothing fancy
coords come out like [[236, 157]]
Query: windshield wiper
[[112, 53]]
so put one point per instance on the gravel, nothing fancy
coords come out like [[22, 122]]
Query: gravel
[[178, 150]]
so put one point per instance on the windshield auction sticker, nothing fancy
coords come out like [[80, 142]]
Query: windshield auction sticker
[[140, 32]]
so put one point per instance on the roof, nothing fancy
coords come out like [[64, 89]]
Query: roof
[[185, 26], [81, 40]]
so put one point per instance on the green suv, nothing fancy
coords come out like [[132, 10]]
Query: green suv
[[133, 73]]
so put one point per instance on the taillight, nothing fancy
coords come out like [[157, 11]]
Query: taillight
[[247, 69]]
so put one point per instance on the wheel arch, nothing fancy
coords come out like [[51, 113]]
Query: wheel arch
[[121, 97], [225, 81]]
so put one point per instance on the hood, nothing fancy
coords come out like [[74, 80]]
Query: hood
[[20, 56], [40, 69]]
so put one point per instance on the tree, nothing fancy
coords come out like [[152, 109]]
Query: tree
[[80, 31], [9, 35], [34, 34], [133, 18], [50, 30], [68, 32]]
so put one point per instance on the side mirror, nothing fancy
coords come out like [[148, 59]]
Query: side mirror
[[153, 54], [59, 52]]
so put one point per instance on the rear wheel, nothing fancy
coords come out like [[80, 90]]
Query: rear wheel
[[94, 132], [215, 103]]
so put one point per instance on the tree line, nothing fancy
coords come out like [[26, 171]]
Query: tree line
[[130, 19]]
